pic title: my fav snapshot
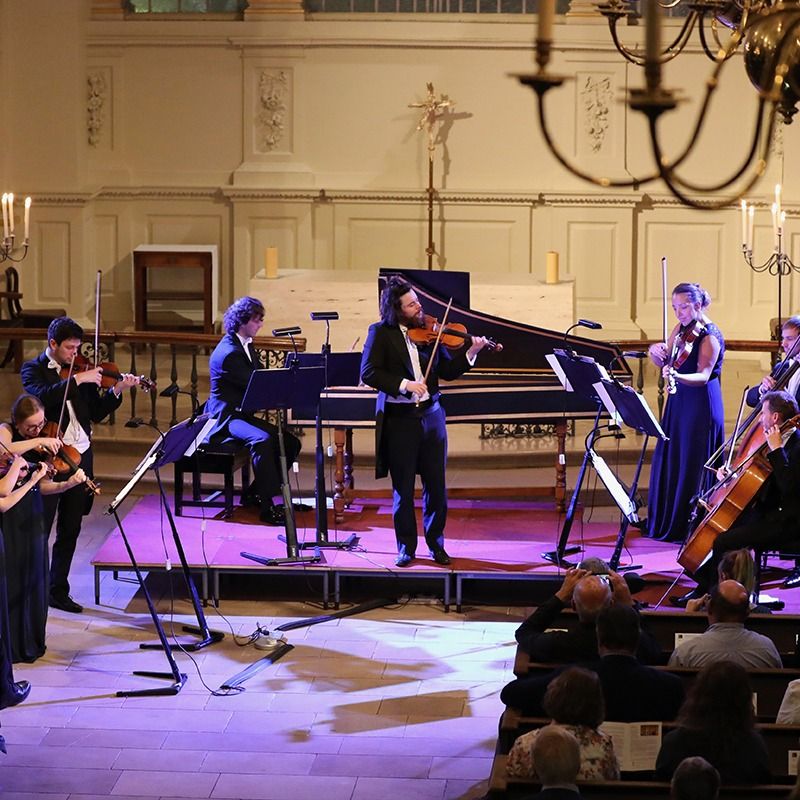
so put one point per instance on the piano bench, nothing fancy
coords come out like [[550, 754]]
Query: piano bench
[[220, 459]]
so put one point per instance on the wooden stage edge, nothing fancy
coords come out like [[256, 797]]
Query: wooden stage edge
[[499, 540]]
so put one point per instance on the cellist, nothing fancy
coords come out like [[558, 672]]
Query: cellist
[[85, 404], [774, 516], [790, 333]]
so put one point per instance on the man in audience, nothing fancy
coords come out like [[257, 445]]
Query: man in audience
[[694, 779], [726, 638], [632, 691], [588, 594], [557, 756]]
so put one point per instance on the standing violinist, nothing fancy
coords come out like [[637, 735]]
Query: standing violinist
[[774, 516], [24, 533], [411, 437], [691, 361], [85, 403]]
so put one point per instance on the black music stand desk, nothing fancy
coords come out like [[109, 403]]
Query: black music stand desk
[[280, 389]]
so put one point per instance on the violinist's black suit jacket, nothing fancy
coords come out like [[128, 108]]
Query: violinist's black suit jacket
[[384, 364], [753, 396], [90, 403]]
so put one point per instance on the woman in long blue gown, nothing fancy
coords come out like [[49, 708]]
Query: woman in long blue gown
[[693, 418]]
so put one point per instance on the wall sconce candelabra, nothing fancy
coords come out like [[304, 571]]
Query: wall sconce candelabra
[[778, 264], [9, 250], [772, 61]]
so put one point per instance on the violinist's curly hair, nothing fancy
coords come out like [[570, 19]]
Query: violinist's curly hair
[[695, 291], [25, 406], [396, 287], [240, 312], [63, 328]]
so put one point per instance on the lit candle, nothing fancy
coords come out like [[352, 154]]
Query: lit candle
[[28, 218], [744, 222], [775, 225], [778, 200], [271, 262], [751, 212], [547, 12], [5, 215], [11, 212]]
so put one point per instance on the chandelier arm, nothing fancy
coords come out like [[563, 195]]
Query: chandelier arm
[[686, 184], [666, 175], [622, 49], [701, 29], [562, 159], [682, 38], [670, 52]]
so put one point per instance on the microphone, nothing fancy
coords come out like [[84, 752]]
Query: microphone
[[587, 323], [324, 316], [634, 354], [292, 330]]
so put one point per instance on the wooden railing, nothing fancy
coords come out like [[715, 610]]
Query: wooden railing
[[168, 359]]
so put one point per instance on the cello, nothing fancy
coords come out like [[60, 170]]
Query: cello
[[732, 495]]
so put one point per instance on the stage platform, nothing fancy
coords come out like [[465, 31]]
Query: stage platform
[[488, 539]]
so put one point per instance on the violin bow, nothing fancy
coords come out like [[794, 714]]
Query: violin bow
[[436, 345], [98, 284], [664, 321], [64, 398]]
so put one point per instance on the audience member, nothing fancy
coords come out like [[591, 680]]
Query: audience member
[[694, 779], [717, 722], [737, 565], [558, 756], [726, 637], [574, 700], [588, 594], [632, 691]]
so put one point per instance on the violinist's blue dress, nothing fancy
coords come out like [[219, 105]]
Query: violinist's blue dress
[[693, 420]]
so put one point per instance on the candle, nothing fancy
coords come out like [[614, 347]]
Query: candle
[[652, 32], [11, 213], [751, 212], [547, 12], [5, 215], [744, 223], [271, 262], [775, 225], [28, 218], [551, 272], [778, 200]]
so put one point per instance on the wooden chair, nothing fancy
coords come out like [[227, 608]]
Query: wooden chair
[[224, 459], [17, 317]]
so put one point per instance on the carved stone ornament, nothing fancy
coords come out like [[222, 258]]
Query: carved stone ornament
[[273, 88], [97, 90], [596, 96]]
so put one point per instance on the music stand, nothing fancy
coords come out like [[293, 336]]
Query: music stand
[[168, 447], [280, 389], [624, 401], [341, 369], [576, 374]]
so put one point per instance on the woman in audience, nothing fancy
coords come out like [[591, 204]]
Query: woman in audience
[[574, 700], [737, 565], [717, 722], [25, 533]]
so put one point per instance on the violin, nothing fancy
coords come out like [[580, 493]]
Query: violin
[[110, 373], [7, 459], [67, 460], [682, 348], [454, 335]]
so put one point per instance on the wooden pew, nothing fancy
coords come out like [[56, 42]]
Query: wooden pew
[[780, 739], [769, 684], [505, 787]]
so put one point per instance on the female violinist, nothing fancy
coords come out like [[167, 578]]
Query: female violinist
[[774, 515], [12, 493], [24, 534], [691, 360]]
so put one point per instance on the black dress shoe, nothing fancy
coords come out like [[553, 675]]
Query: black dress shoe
[[403, 560], [301, 507], [65, 603], [440, 556], [21, 690], [272, 516], [681, 600], [792, 579]]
